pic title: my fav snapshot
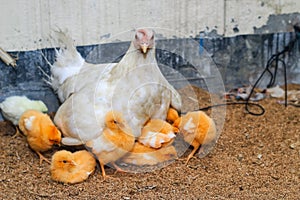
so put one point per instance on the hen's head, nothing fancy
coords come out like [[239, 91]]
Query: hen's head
[[63, 160], [144, 40]]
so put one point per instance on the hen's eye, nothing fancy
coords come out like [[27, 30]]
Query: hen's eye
[[64, 161]]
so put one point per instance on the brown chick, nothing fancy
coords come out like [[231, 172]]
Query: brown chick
[[40, 131], [72, 168], [156, 133], [197, 129], [115, 141], [143, 155]]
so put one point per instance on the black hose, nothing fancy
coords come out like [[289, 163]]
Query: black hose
[[273, 58]]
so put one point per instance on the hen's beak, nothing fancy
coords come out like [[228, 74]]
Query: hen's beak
[[144, 48]]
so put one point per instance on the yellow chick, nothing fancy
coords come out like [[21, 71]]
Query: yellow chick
[[143, 155], [197, 129], [115, 141], [40, 131], [172, 115], [70, 167], [156, 133]]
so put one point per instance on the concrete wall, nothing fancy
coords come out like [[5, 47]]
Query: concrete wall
[[239, 36], [239, 59], [26, 25]]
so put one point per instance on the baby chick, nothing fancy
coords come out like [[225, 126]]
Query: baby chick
[[157, 132], [115, 141], [13, 107], [197, 129], [70, 167], [40, 131], [143, 155], [172, 115]]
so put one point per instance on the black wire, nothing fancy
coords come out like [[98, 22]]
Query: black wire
[[285, 81], [234, 103], [273, 58], [285, 84]]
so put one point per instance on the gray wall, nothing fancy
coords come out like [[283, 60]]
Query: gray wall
[[240, 60]]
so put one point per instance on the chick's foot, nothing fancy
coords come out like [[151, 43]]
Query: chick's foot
[[118, 169], [42, 158], [17, 133]]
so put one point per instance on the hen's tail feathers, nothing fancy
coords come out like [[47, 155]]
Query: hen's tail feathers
[[47, 80], [68, 60]]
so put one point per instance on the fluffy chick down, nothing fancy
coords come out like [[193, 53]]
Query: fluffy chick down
[[13, 107], [197, 129], [68, 167], [114, 142], [142, 155], [156, 133], [154, 146], [40, 131]]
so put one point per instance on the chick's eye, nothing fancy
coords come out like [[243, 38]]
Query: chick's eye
[[115, 122], [64, 161]]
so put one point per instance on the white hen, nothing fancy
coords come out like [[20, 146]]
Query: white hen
[[70, 69], [135, 87]]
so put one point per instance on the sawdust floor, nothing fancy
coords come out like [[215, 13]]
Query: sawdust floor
[[254, 158]]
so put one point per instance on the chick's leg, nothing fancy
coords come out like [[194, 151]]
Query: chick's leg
[[196, 146], [103, 170], [118, 169], [17, 133], [42, 158]]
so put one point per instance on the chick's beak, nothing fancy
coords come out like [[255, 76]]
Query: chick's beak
[[144, 48], [74, 163]]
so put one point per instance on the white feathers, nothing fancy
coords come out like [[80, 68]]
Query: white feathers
[[71, 141], [147, 157], [100, 144], [155, 139], [135, 87], [171, 135], [28, 122], [189, 126], [276, 92], [68, 61]]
